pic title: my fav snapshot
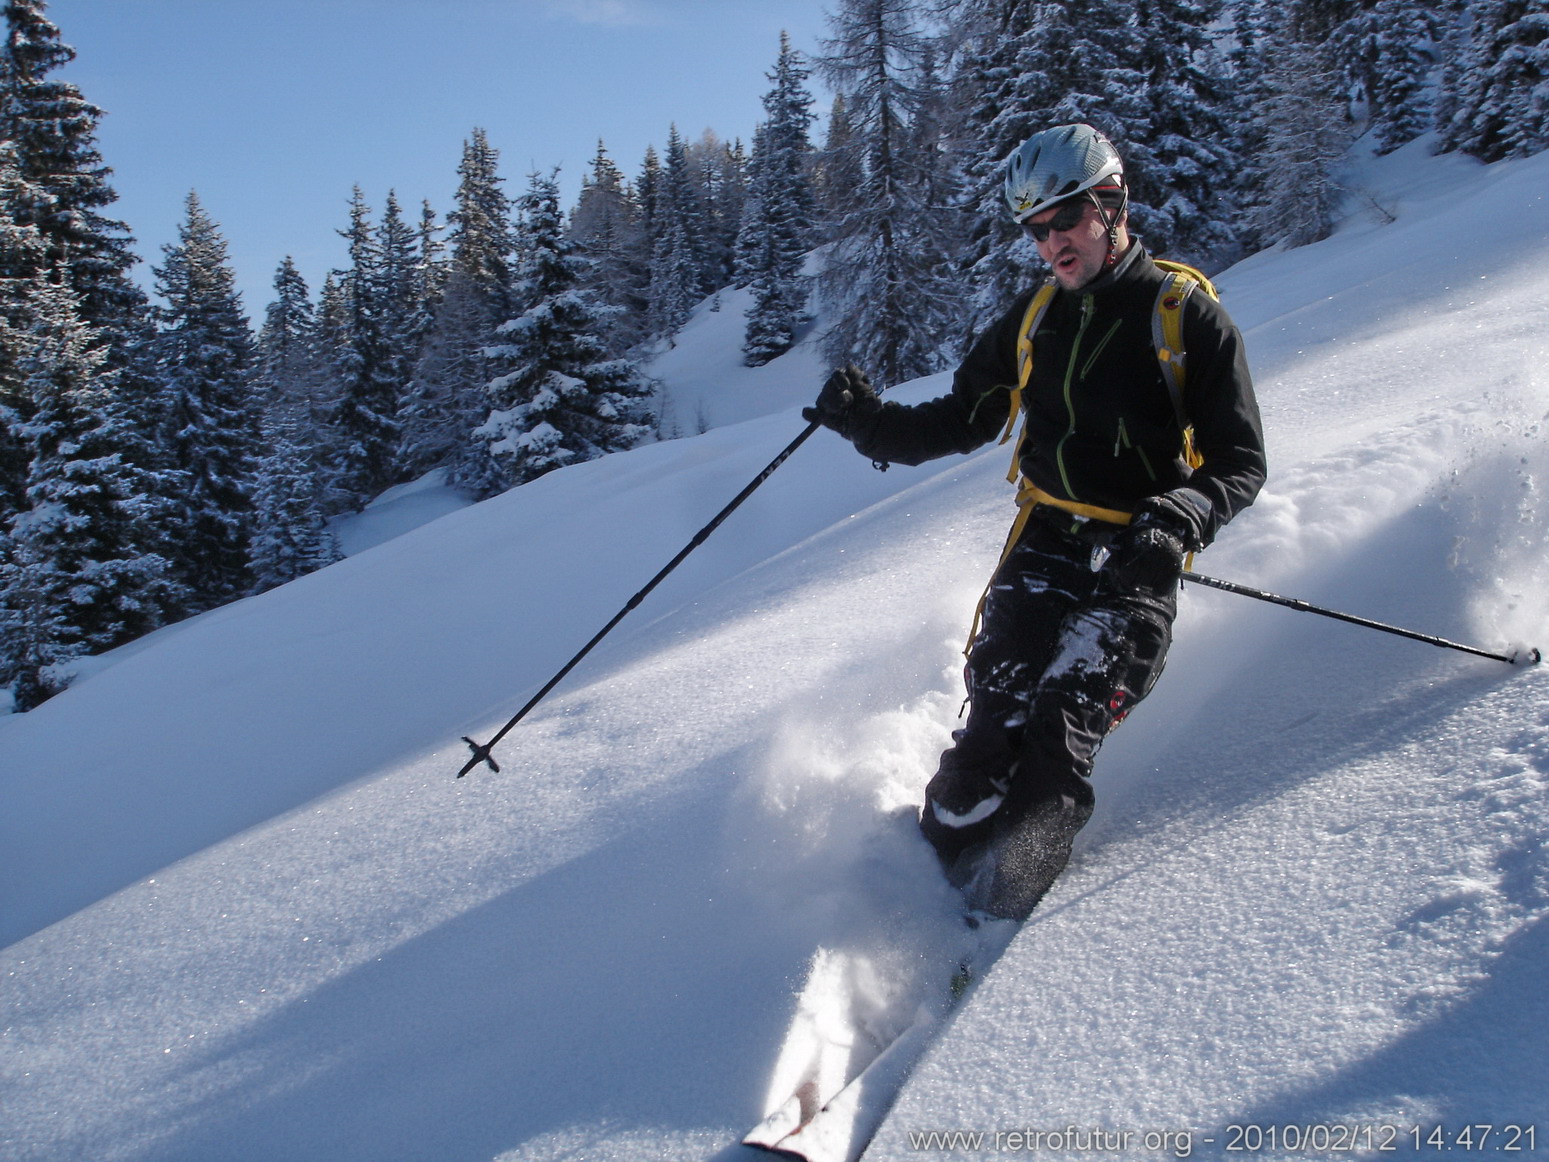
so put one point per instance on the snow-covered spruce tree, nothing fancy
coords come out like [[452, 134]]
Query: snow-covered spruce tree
[[778, 219], [34, 649], [399, 291], [648, 197], [289, 373], [1301, 136], [1392, 48], [605, 224], [81, 576], [21, 254], [678, 264], [61, 191], [446, 400], [291, 535], [53, 131], [1499, 106], [561, 399], [1252, 27], [205, 361], [369, 373], [718, 172], [889, 281], [1185, 172], [297, 432], [430, 266]]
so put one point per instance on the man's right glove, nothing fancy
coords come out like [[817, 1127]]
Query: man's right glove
[[847, 401], [1148, 553], [1146, 557]]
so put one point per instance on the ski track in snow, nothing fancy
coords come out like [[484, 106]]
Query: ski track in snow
[[273, 926]]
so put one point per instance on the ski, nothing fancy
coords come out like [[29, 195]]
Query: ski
[[844, 1075]]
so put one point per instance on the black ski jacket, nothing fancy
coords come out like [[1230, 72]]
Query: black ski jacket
[[1101, 428]]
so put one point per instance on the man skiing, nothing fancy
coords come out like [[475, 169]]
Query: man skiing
[[1077, 619]]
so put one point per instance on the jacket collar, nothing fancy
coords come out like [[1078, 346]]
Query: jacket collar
[[1124, 269]]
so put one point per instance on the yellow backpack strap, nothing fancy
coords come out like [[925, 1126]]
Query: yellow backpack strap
[[1167, 336], [1036, 309], [1029, 497]]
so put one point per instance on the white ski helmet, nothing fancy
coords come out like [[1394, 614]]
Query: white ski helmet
[[1056, 164]]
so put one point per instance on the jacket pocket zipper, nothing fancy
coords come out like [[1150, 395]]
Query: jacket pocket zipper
[[1122, 440]]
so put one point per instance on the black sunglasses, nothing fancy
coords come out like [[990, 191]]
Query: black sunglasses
[[1067, 217]]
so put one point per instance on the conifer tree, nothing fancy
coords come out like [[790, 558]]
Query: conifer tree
[[606, 226], [834, 178], [205, 352], [648, 197], [888, 281], [21, 255], [35, 645], [1499, 106], [1394, 48], [561, 399], [298, 410], [430, 266], [60, 191], [291, 534], [446, 400], [483, 243], [1182, 169], [1302, 133], [80, 575], [678, 262], [399, 292], [717, 173], [369, 372], [53, 131], [289, 374], [778, 223]]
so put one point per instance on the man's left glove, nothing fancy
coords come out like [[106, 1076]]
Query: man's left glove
[[1148, 553], [846, 401]]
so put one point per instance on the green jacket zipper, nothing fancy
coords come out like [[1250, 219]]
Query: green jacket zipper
[[1087, 303], [1122, 440]]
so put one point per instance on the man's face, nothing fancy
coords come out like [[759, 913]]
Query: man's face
[[1078, 254]]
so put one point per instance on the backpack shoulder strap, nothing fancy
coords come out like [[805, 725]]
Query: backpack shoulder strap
[[1167, 326], [1167, 336], [1036, 309]]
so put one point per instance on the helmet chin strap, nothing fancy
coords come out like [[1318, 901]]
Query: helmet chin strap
[[1111, 223]]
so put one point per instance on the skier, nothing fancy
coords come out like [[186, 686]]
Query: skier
[[1077, 619]]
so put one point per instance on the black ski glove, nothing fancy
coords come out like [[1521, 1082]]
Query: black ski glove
[[847, 401], [1145, 558], [1147, 555]]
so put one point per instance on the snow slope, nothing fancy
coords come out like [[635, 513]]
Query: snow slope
[[249, 913]]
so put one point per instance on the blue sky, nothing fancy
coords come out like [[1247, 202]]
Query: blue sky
[[273, 110]]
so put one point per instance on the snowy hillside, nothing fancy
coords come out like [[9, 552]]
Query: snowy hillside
[[249, 914]]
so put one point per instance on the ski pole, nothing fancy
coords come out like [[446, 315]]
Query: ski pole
[[1532, 658], [482, 751]]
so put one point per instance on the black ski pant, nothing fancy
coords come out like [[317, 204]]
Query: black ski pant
[[1058, 661]]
